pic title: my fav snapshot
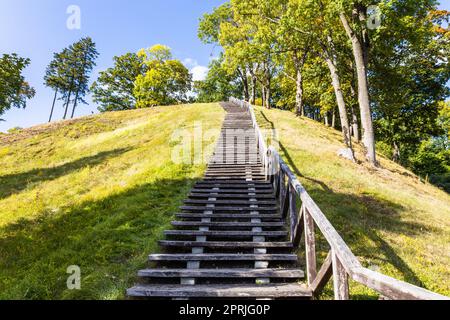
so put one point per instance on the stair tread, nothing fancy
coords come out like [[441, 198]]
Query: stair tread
[[226, 233], [227, 224], [223, 273], [222, 257], [222, 291], [226, 244], [264, 216]]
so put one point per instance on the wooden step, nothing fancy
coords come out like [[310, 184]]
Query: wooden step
[[228, 216], [231, 196], [223, 257], [222, 273], [232, 202], [233, 191], [209, 190], [223, 244], [226, 234], [230, 209], [228, 224], [236, 183], [271, 291]]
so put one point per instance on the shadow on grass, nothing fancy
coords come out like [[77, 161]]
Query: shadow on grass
[[14, 183], [361, 217], [109, 239], [358, 218]]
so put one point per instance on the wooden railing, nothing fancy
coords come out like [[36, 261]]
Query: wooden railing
[[340, 264]]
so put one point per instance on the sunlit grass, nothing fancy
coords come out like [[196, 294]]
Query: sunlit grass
[[96, 192], [392, 221]]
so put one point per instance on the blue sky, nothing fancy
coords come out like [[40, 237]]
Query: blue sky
[[36, 29]]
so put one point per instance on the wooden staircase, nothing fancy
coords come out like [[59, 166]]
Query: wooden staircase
[[229, 240]]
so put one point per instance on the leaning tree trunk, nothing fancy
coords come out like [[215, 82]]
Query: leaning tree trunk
[[363, 91], [67, 105], [74, 105], [53, 106]]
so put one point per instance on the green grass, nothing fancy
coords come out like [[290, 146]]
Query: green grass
[[96, 192], [393, 222]]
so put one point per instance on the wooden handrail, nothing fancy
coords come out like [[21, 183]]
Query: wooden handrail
[[341, 262]]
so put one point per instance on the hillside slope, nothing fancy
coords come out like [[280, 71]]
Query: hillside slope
[[393, 222], [96, 192]]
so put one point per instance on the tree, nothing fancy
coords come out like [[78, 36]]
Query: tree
[[219, 85], [14, 90], [83, 56], [54, 76], [166, 81], [114, 88]]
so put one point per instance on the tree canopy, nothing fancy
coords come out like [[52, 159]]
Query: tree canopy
[[166, 80], [14, 90]]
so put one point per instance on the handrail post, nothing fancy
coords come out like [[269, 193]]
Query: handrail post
[[340, 279], [310, 246]]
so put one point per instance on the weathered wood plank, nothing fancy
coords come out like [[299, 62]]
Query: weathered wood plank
[[225, 244], [310, 246], [227, 224], [222, 291], [226, 233], [323, 276], [340, 279], [393, 288], [223, 257], [223, 273]]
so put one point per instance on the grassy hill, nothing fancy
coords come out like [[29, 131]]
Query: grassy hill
[[96, 192], [392, 221]]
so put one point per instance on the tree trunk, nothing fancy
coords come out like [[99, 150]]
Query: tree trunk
[[326, 120], [244, 80], [254, 83], [53, 106], [355, 120], [299, 63], [340, 101], [299, 94], [363, 91], [396, 154], [263, 95], [333, 118], [67, 105]]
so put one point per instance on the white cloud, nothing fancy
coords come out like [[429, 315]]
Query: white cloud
[[190, 63], [199, 73]]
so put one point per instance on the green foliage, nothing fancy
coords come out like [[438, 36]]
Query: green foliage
[[114, 88], [273, 42], [69, 72], [165, 81], [14, 90], [219, 85]]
